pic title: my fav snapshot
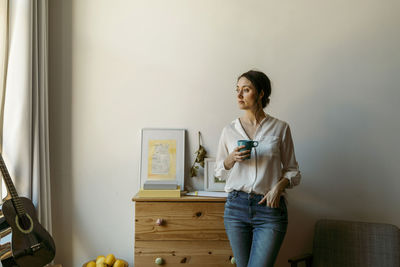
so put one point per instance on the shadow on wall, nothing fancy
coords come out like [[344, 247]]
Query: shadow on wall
[[60, 106], [348, 143]]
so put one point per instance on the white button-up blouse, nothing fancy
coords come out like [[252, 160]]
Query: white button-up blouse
[[272, 160]]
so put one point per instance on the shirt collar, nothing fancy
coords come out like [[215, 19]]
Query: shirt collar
[[239, 127]]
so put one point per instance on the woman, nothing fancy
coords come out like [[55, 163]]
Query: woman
[[255, 214]]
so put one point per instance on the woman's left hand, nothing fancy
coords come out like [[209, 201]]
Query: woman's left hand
[[274, 195]]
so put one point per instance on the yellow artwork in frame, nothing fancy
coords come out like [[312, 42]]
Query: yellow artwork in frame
[[162, 160]]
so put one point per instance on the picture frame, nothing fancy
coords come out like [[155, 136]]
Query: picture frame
[[162, 160], [212, 183]]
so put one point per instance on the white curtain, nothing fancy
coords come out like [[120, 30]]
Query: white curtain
[[25, 123], [4, 41], [3, 60]]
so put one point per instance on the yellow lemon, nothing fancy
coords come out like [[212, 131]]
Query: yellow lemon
[[100, 259], [91, 264], [119, 263], [110, 259], [101, 264]]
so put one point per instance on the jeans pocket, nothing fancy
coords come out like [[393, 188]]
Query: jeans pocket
[[282, 205], [232, 195]]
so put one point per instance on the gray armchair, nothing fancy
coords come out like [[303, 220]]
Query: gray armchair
[[353, 244]]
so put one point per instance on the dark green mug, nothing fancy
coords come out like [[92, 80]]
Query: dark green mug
[[249, 144]]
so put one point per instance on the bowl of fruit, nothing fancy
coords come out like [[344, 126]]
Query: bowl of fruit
[[109, 261]]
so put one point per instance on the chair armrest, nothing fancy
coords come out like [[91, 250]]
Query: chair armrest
[[304, 257]]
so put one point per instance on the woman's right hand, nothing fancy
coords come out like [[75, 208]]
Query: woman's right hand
[[236, 156]]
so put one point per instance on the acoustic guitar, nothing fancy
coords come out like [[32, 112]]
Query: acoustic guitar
[[31, 245]]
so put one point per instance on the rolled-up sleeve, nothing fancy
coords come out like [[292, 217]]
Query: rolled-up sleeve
[[290, 167], [222, 153]]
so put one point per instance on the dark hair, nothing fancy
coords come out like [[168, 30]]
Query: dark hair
[[261, 82]]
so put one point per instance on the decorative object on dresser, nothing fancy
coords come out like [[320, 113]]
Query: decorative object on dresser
[[162, 159], [32, 245], [207, 194], [201, 153], [212, 183], [182, 231], [160, 193]]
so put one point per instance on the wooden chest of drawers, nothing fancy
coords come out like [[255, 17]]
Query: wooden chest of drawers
[[186, 231]]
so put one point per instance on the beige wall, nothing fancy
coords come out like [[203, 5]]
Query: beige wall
[[119, 66]]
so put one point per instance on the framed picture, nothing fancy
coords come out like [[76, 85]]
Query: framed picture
[[162, 158], [211, 183]]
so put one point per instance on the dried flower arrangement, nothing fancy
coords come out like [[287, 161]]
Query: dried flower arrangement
[[201, 154]]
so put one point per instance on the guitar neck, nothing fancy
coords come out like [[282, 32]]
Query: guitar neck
[[10, 187]]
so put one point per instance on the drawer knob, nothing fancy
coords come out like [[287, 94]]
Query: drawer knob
[[159, 261], [233, 260], [160, 221]]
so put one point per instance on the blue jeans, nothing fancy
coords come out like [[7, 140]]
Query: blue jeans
[[255, 231]]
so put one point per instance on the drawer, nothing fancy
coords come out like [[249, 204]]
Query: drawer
[[181, 221], [183, 253]]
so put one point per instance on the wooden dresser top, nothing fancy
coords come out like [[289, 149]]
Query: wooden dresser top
[[180, 199]]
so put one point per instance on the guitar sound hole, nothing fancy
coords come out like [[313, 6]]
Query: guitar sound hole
[[24, 222]]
